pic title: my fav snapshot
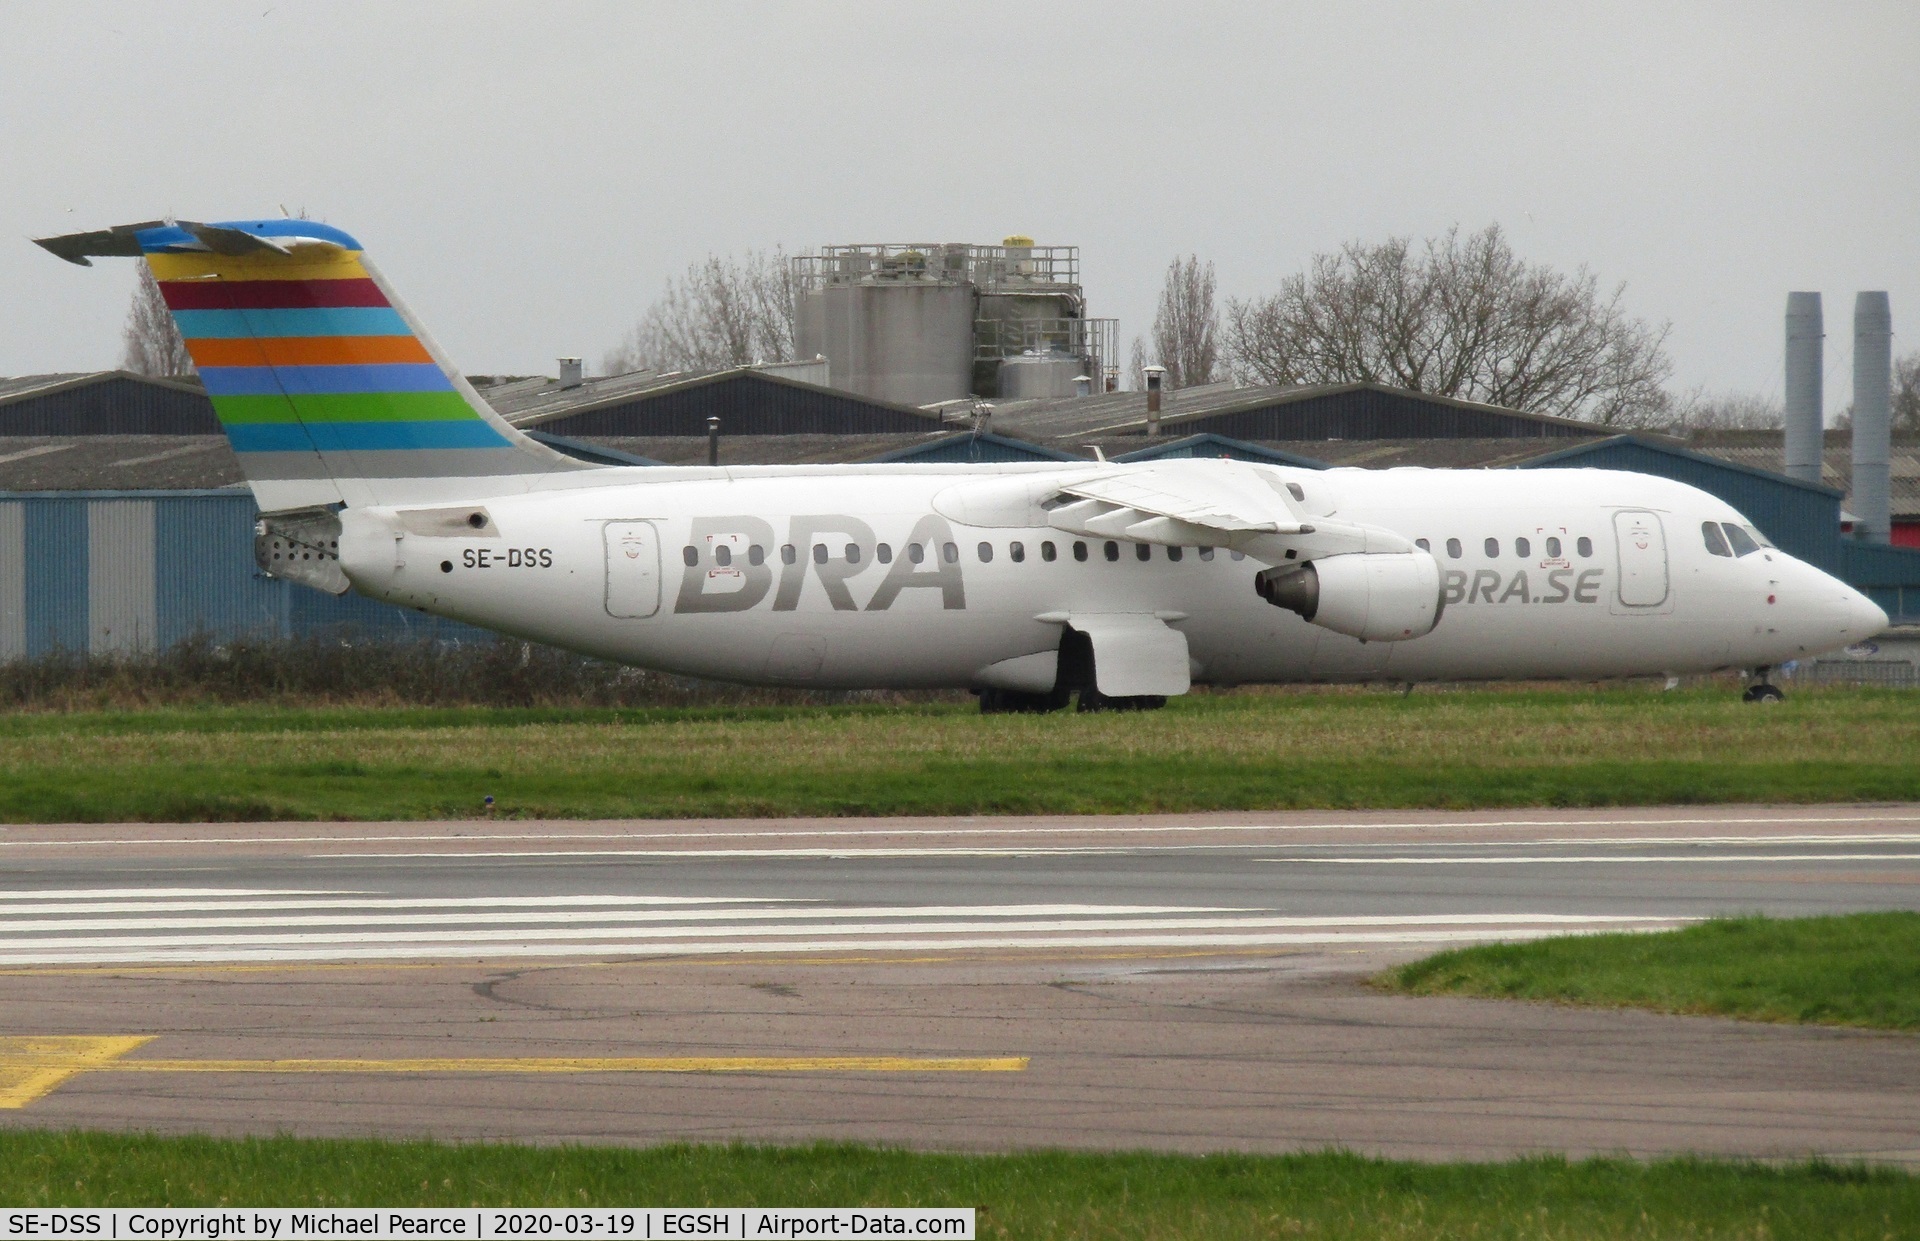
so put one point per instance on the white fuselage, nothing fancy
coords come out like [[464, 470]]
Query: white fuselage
[[808, 576]]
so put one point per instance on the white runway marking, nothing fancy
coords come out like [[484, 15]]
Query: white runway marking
[[394, 929]]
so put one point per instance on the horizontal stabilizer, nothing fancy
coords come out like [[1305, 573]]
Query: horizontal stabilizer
[[120, 242]]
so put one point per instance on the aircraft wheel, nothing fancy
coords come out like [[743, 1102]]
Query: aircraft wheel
[[1763, 693]]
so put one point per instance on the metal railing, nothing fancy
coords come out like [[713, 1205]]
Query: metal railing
[[991, 269], [1096, 341]]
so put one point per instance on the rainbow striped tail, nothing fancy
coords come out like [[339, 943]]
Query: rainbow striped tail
[[328, 389]]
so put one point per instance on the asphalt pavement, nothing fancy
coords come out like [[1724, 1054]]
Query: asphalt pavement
[[1179, 982]]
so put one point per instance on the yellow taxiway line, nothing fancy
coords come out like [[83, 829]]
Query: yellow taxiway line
[[33, 1066]]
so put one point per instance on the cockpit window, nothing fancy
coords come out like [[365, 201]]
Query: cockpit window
[[1716, 542], [1741, 541]]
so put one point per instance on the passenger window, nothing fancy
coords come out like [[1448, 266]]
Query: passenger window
[[853, 553], [1239, 555], [756, 555], [1206, 553], [1048, 551], [1493, 549], [1143, 551], [691, 555], [1522, 548], [1018, 551], [883, 553], [986, 553], [1423, 545], [1112, 550], [1716, 542], [787, 554], [1173, 553], [1743, 544], [1079, 550], [1454, 549], [950, 552], [1584, 546], [819, 553], [1553, 549], [723, 555], [916, 553]]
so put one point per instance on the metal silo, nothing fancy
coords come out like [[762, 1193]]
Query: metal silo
[[893, 323]]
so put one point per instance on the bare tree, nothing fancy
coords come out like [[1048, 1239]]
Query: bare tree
[[722, 312], [151, 344], [1461, 317], [1137, 365], [1906, 394], [1700, 410], [1186, 325]]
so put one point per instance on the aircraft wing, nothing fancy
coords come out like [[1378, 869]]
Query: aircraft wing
[[1207, 503]]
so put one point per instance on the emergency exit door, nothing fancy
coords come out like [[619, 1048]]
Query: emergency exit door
[[633, 569], [1643, 558]]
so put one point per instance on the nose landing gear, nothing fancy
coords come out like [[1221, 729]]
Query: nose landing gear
[[1761, 690]]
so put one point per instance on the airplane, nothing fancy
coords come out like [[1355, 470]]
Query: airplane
[[378, 468]]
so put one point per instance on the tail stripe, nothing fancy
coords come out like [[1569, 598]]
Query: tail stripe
[[308, 351], [304, 321], [269, 294], [346, 407], [324, 380]]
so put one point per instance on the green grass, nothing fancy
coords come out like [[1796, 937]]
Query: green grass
[[1854, 970], [1244, 751], [1035, 1195]]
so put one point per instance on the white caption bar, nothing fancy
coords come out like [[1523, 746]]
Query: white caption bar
[[477, 1223]]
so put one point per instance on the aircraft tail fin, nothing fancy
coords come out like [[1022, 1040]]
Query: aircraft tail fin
[[327, 387]]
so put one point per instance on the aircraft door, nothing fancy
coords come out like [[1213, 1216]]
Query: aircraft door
[[633, 569], [1643, 558]]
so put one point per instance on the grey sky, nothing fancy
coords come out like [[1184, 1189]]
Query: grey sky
[[529, 175]]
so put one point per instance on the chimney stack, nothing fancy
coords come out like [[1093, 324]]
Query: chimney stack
[[572, 374], [1156, 377], [1872, 415], [1806, 441]]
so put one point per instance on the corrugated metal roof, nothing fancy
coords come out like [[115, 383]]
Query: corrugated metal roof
[[17, 386], [763, 449], [982, 446], [752, 401], [105, 403], [116, 463], [1271, 413], [1836, 467]]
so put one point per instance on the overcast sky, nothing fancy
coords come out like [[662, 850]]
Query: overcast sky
[[530, 175]]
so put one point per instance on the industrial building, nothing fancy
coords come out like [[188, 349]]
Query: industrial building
[[919, 324]]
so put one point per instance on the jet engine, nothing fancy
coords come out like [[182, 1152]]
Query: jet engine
[[1379, 597]]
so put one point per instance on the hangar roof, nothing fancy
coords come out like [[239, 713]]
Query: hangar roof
[[116, 463], [748, 401], [1272, 413]]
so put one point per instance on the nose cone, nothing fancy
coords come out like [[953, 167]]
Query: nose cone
[[1864, 617]]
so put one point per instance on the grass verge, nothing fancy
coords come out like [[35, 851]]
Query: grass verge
[[1261, 750], [1852, 970], [1243, 751], [1032, 1195]]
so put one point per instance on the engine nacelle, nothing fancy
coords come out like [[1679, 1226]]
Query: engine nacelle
[[1377, 598]]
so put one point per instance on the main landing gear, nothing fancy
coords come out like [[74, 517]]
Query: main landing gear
[[1761, 690]]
